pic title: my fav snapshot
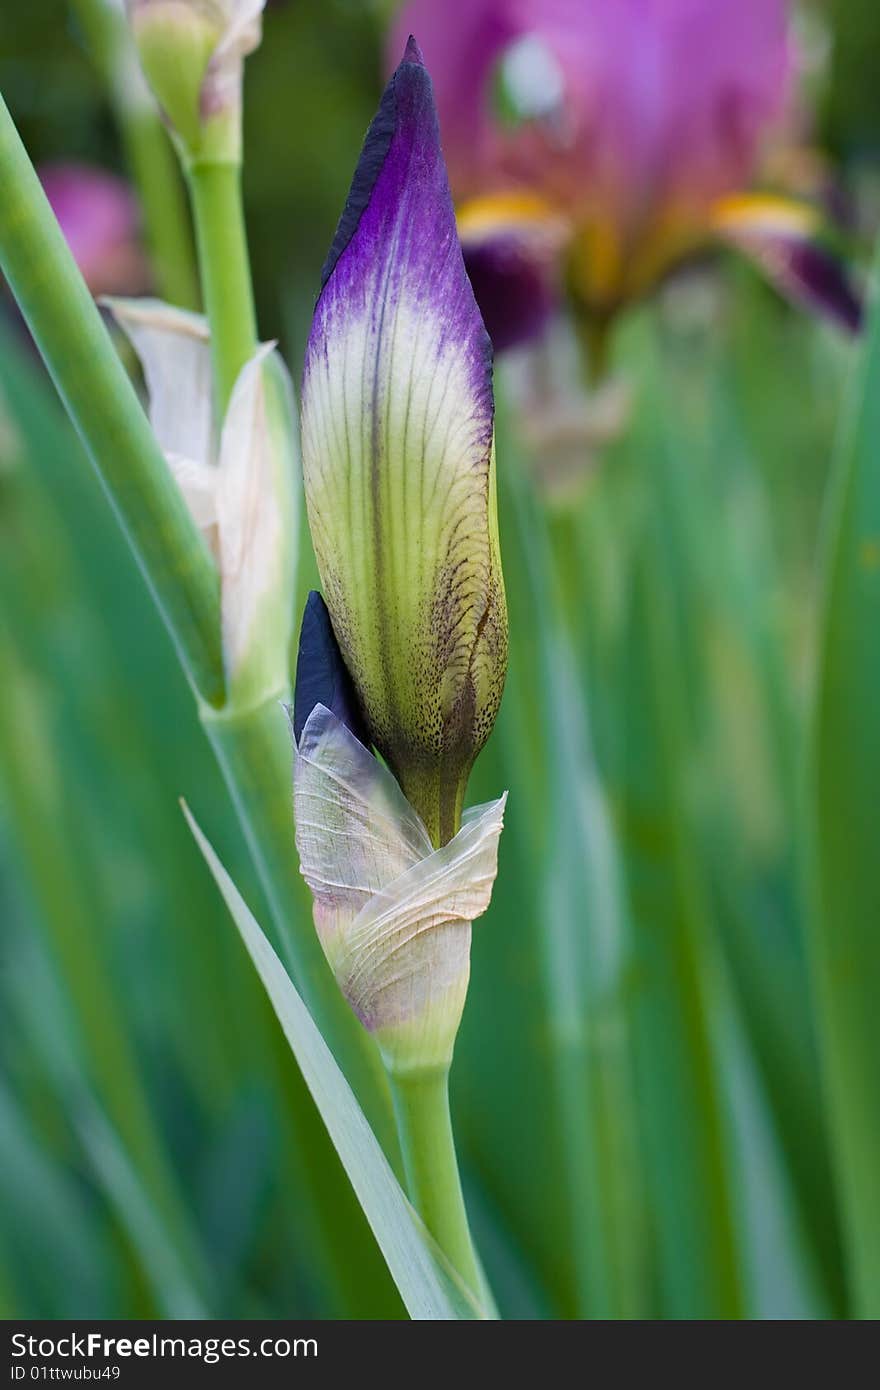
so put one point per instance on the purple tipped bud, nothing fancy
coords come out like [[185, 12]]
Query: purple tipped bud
[[322, 676]]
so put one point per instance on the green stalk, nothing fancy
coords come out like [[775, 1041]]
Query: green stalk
[[103, 405], [153, 166], [149, 155], [225, 271], [421, 1104]]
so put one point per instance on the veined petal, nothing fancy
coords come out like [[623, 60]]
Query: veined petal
[[783, 238], [175, 353], [397, 422], [256, 528], [393, 915]]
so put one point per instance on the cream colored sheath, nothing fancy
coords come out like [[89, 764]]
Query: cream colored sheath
[[393, 914]]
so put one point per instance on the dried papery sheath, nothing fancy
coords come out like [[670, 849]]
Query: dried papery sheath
[[240, 489], [398, 462], [174, 350], [393, 914], [192, 52]]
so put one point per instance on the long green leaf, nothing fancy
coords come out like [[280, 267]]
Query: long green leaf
[[723, 569], [845, 844], [429, 1288], [104, 700]]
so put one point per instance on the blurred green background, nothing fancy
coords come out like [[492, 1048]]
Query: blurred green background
[[648, 944]]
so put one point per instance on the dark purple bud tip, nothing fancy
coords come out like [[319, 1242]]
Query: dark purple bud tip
[[411, 79], [322, 676]]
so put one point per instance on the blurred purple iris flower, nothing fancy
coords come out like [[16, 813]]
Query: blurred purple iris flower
[[99, 216], [594, 144]]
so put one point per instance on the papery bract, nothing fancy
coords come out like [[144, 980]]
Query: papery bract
[[398, 462], [240, 490], [393, 914]]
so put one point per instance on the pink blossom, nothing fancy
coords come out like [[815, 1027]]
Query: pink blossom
[[99, 216]]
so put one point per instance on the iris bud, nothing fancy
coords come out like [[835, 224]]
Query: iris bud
[[192, 54], [399, 462]]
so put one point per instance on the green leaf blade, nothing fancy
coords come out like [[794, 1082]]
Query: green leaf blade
[[843, 792]]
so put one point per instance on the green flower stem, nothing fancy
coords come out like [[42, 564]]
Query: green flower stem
[[254, 751], [103, 405], [421, 1104], [153, 166], [225, 271], [149, 154]]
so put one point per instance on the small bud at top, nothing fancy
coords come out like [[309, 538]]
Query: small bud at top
[[192, 53]]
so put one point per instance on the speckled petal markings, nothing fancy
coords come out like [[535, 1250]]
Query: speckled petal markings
[[398, 460]]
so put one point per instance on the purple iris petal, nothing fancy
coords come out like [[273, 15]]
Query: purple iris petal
[[784, 244], [515, 291], [813, 274], [321, 675], [397, 236], [661, 99]]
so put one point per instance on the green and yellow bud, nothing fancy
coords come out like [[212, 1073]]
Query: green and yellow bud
[[399, 463]]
